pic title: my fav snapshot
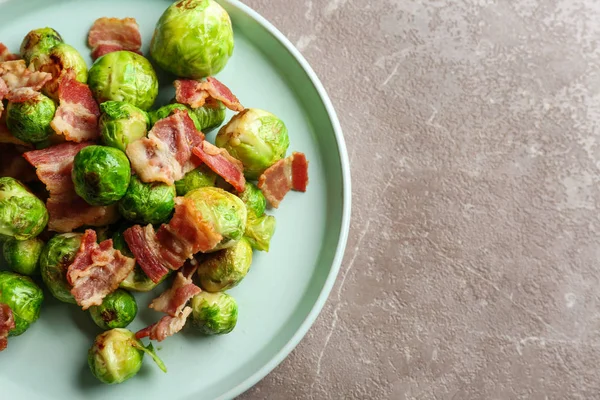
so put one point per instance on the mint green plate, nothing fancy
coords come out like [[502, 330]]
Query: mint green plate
[[285, 289]]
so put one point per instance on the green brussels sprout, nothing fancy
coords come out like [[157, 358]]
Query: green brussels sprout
[[225, 269], [117, 355], [30, 120], [124, 76], [225, 211], [39, 42], [209, 117], [259, 231], [22, 256], [101, 174], [166, 111], [214, 313], [121, 124], [61, 58], [255, 137], [254, 199], [147, 203], [23, 297], [22, 215], [193, 39], [195, 179], [55, 259], [117, 310]]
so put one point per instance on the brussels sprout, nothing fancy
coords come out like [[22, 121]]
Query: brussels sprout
[[124, 76], [30, 120], [22, 215], [117, 310], [254, 199], [121, 124], [225, 269], [117, 355], [255, 137], [259, 231], [101, 174], [22, 256], [39, 42], [55, 259], [214, 313], [193, 39], [195, 179], [210, 117], [62, 57], [166, 111], [23, 297], [225, 211], [147, 203]]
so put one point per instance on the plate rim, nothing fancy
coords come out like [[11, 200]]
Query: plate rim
[[316, 309]]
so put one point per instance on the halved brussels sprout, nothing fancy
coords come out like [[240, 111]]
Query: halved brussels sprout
[[22, 256], [193, 39], [101, 174], [214, 313], [61, 58], [22, 215], [259, 231], [117, 310], [225, 269], [195, 179], [23, 297], [124, 76], [255, 137], [147, 203], [30, 120], [254, 199], [39, 42], [209, 117], [166, 111], [55, 259], [121, 124], [117, 355], [225, 211]]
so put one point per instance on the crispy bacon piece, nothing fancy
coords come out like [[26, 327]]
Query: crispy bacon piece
[[222, 163], [7, 322], [77, 115], [166, 154], [175, 298], [114, 34], [6, 55], [97, 270], [3, 93], [197, 93], [168, 248], [17, 76], [167, 326], [67, 210], [291, 173]]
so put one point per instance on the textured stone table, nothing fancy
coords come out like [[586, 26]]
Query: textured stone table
[[472, 269]]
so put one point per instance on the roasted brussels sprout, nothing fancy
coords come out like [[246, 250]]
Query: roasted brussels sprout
[[117, 355], [195, 179], [193, 39], [255, 137], [55, 259], [61, 58], [121, 123], [166, 111], [209, 117], [147, 203], [224, 269], [117, 310], [214, 313], [22, 215], [254, 199], [23, 256], [124, 76], [225, 211], [38, 43], [30, 120], [259, 231], [23, 297], [101, 174]]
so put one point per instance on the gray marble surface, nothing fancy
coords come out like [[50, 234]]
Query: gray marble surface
[[472, 265]]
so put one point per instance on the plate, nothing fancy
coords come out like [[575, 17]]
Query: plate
[[285, 289]]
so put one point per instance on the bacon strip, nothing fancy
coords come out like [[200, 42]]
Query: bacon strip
[[291, 173], [166, 154], [77, 115], [67, 210], [222, 163], [97, 270], [175, 298], [197, 93], [7, 322], [22, 83], [167, 326], [6, 55], [114, 34], [168, 249]]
